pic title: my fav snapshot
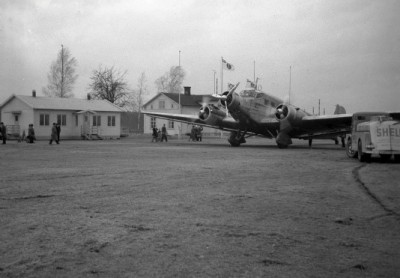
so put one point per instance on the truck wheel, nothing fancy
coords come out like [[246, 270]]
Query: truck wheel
[[362, 157], [349, 150]]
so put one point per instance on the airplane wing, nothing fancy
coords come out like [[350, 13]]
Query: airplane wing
[[226, 123], [320, 126]]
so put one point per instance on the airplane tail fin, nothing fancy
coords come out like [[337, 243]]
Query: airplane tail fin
[[339, 110]]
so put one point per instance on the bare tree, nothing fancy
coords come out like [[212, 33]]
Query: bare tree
[[110, 84], [61, 77], [171, 82], [140, 93]]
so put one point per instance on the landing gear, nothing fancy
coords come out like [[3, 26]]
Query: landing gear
[[236, 138], [310, 142]]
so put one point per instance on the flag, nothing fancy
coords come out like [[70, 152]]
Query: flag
[[250, 84], [226, 65]]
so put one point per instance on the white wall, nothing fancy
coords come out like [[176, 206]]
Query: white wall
[[24, 119]]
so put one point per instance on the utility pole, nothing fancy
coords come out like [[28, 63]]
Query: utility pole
[[319, 107]]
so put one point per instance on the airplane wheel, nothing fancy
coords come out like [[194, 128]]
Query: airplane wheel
[[349, 150], [233, 140], [281, 146], [397, 158]]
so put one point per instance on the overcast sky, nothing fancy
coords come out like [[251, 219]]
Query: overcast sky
[[341, 51]]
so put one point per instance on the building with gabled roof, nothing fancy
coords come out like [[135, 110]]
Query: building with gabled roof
[[78, 118], [169, 103]]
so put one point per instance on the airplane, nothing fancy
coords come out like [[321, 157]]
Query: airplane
[[253, 112]]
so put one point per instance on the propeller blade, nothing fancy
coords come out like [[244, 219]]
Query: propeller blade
[[223, 97]]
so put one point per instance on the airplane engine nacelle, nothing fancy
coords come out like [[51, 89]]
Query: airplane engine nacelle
[[211, 114], [288, 115], [233, 101]]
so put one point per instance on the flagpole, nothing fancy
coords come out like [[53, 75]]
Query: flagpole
[[222, 77], [180, 107], [254, 72]]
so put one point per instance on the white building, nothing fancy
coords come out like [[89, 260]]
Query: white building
[[169, 103], [79, 118]]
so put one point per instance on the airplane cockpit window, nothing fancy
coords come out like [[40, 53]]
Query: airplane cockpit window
[[248, 93], [260, 95]]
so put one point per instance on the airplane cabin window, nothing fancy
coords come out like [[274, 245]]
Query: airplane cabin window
[[248, 93]]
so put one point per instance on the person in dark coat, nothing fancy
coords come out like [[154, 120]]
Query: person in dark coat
[[31, 134], [58, 131], [155, 135], [3, 132], [164, 134], [53, 134]]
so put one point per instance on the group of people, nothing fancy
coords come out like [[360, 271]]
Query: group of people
[[31, 137], [157, 133], [195, 133]]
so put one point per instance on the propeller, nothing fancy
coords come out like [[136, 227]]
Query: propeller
[[225, 95], [204, 111]]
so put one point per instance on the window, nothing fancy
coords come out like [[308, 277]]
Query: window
[[76, 119], [111, 120], [96, 120], [170, 124], [161, 104], [62, 119], [172, 106], [44, 119], [152, 122], [151, 106]]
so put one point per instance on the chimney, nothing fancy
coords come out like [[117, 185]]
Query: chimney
[[33, 93], [88, 96], [187, 91]]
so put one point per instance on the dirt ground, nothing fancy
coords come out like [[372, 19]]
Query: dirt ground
[[131, 208]]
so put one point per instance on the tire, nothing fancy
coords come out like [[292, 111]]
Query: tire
[[349, 150], [233, 140], [397, 158], [362, 157]]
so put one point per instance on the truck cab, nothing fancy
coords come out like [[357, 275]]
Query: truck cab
[[374, 133]]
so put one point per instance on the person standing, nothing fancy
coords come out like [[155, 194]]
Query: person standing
[[164, 134], [31, 134], [155, 135], [3, 131], [53, 134], [58, 132]]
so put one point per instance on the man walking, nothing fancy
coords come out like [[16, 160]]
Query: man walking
[[164, 134], [58, 126], [53, 134]]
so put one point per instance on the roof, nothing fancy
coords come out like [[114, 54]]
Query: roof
[[53, 103], [186, 100]]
